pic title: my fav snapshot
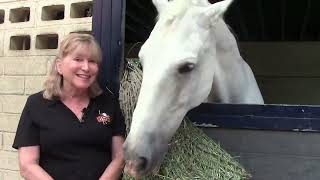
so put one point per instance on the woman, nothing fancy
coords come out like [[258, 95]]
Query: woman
[[71, 130]]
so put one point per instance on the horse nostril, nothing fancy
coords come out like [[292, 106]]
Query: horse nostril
[[142, 163]]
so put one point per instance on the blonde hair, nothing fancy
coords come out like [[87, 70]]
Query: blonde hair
[[53, 84]]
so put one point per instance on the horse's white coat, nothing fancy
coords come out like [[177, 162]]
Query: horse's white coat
[[190, 57]]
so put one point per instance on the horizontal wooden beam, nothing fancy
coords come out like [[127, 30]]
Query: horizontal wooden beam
[[257, 117]]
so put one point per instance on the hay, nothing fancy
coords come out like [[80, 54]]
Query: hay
[[192, 154]]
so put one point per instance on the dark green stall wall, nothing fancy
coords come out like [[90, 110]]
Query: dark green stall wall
[[287, 72]]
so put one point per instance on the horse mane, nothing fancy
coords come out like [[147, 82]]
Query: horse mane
[[234, 34]]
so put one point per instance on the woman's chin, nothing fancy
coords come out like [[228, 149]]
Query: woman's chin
[[82, 85]]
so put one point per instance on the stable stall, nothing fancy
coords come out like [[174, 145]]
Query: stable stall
[[280, 41]]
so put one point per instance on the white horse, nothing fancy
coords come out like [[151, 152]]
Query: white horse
[[190, 57]]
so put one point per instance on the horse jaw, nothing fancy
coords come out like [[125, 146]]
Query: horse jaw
[[163, 102], [154, 122]]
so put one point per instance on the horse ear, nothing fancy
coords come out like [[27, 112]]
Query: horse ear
[[160, 4], [214, 12]]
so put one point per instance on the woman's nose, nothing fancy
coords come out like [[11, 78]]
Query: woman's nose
[[85, 65]]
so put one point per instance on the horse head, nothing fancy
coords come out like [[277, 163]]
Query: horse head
[[176, 77]]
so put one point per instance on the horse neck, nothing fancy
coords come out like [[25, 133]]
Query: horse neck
[[225, 42], [226, 52], [233, 80], [232, 73]]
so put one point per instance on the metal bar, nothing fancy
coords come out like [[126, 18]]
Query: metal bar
[[243, 26], [283, 20], [139, 5], [305, 20], [137, 21], [261, 19]]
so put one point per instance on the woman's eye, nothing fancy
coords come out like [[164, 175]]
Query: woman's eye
[[77, 59], [186, 67], [92, 61]]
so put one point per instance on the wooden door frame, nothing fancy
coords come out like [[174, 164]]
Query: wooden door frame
[[107, 23]]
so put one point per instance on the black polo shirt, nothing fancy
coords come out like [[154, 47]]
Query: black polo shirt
[[69, 149]]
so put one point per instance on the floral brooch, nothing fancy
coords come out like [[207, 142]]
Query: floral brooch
[[103, 118]]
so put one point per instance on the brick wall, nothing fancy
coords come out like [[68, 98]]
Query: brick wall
[[30, 31]]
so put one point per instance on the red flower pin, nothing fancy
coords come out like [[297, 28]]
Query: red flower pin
[[104, 118]]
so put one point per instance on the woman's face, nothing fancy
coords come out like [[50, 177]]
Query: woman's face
[[79, 71]]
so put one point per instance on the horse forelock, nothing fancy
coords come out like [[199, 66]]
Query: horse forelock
[[177, 8]]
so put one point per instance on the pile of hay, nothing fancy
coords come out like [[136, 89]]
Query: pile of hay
[[192, 154]]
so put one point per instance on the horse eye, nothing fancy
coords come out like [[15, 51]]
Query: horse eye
[[185, 68]]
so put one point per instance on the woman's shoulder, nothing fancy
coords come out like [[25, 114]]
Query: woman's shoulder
[[106, 98], [37, 99]]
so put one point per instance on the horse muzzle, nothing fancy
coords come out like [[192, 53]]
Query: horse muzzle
[[143, 158]]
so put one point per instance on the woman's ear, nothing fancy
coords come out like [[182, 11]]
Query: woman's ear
[[58, 66]]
